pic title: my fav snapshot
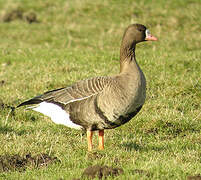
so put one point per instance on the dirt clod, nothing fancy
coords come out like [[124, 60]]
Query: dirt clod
[[18, 163], [196, 177], [18, 14], [101, 172], [12, 15], [2, 82], [31, 17]]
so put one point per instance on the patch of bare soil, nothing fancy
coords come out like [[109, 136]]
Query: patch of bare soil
[[196, 177], [18, 14], [102, 172], [12, 15], [18, 163]]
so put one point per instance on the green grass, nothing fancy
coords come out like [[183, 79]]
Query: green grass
[[79, 39]]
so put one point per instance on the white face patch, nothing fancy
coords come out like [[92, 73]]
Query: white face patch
[[147, 33], [56, 113]]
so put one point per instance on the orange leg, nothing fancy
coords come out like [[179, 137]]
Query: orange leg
[[89, 139], [101, 139]]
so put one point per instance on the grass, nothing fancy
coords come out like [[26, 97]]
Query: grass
[[75, 40]]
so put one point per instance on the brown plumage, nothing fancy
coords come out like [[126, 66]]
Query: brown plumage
[[102, 102]]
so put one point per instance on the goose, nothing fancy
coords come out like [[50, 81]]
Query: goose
[[104, 102]]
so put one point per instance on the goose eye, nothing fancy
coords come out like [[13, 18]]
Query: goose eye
[[147, 32]]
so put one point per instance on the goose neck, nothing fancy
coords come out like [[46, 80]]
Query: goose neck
[[127, 59]]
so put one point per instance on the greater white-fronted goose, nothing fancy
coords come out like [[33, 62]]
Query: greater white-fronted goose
[[102, 102]]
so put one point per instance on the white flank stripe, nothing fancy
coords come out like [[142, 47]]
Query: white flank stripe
[[79, 99], [56, 113]]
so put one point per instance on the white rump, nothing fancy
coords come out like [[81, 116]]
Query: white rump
[[56, 113]]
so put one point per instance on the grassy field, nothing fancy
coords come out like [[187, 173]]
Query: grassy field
[[74, 40]]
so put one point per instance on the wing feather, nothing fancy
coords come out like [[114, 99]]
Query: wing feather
[[79, 91]]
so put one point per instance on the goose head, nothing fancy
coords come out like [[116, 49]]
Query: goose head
[[136, 33]]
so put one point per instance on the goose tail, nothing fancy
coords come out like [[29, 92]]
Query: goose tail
[[30, 102]]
